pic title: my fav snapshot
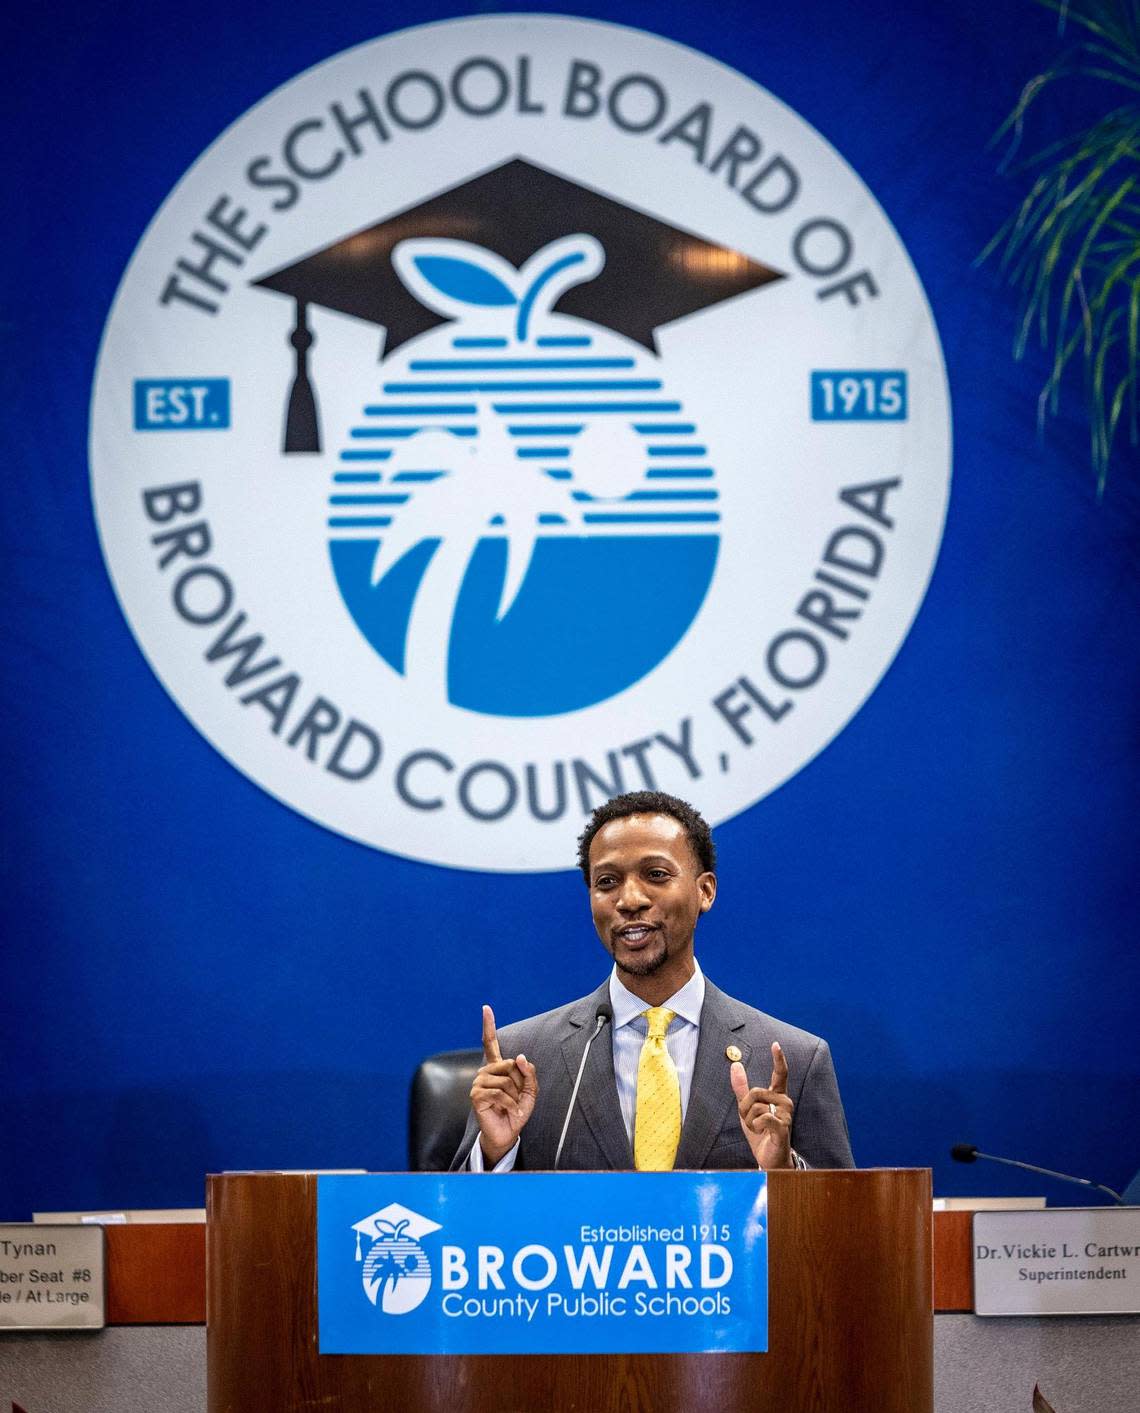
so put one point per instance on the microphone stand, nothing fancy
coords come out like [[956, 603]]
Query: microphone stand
[[967, 1153], [603, 1017]]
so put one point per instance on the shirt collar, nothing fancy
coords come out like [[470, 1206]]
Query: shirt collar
[[686, 1003]]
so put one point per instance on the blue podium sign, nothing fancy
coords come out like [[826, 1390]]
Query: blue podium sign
[[543, 1263]]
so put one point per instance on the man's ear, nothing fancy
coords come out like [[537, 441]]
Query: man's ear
[[706, 883]]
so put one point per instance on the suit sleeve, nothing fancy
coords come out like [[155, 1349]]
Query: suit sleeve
[[470, 1134], [819, 1127]]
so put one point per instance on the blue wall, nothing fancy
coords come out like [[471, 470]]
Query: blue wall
[[194, 977]]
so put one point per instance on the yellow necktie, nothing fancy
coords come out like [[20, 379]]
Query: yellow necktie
[[657, 1121]]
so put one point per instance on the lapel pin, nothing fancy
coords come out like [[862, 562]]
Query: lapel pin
[[732, 1052]]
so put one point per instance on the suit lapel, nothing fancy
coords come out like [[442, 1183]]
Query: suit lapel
[[597, 1098], [711, 1100]]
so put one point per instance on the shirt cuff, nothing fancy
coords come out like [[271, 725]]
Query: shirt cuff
[[504, 1165]]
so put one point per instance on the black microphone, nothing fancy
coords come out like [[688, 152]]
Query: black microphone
[[967, 1153], [604, 1016]]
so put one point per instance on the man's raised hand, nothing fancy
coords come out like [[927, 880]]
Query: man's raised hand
[[502, 1095], [766, 1114]]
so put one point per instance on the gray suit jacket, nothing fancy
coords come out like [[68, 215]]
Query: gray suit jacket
[[711, 1136]]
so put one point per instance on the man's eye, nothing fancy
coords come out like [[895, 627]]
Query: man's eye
[[658, 873], [605, 882]]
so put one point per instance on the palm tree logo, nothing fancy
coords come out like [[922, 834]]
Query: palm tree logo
[[396, 1273], [502, 435], [395, 1270]]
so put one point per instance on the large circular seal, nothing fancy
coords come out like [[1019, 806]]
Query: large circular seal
[[510, 412]]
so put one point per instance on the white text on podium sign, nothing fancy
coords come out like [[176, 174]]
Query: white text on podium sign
[[1059, 1261], [51, 1277]]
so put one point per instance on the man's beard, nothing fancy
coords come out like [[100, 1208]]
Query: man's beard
[[644, 963]]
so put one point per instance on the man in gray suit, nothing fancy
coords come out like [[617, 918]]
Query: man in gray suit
[[669, 1087]]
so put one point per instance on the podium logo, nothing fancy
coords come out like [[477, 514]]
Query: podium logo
[[584, 429], [396, 1273]]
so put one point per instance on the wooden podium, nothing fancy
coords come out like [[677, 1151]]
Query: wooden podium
[[850, 1318]]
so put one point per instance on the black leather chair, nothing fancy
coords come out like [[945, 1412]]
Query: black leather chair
[[438, 1106]]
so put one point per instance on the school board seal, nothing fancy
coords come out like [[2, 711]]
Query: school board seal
[[510, 412]]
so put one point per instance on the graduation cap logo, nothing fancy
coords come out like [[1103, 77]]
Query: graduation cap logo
[[396, 1272], [523, 439], [558, 444], [654, 273]]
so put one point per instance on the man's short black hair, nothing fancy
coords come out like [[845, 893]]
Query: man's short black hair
[[651, 802]]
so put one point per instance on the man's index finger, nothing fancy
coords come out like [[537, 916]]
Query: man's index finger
[[779, 1081], [490, 1037]]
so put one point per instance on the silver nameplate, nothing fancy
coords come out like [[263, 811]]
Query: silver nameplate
[[51, 1277]]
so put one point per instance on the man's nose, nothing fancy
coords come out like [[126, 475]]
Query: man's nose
[[632, 897]]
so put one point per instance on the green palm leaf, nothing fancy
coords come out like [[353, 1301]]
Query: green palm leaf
[[1071, 249]]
